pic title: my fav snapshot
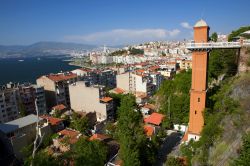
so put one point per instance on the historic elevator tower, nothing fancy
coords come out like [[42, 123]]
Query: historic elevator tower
[[199, 82]]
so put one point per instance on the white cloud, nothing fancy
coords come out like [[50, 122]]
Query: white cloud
[[124, 36], [186, 25]]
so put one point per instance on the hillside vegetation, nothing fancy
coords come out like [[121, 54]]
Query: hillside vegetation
[[239, 32], [226, 121]]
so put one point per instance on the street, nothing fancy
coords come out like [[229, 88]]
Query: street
[[172, 141]]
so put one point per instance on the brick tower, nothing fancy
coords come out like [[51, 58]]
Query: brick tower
[[199, 82]]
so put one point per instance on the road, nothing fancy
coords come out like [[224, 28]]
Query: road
[[172, 141]]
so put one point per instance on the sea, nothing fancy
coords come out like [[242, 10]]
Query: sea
[[29, 69]]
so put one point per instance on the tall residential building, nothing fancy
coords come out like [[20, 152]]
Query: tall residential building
[[56, 88], [8, 104], [135, 83], [87, 98], [32, 95], [106, 78], [157, 79], [40, 99]]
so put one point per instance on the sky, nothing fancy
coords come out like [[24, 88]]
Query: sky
[[115, 22]]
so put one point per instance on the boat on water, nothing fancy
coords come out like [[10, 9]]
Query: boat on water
[[38, 59], [20, 60]]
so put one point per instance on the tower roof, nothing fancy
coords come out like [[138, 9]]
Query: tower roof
[[201, 23]]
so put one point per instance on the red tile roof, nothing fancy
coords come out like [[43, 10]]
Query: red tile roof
[[72, 134], [106, 99], [173, 63], [140, 71], [59, 107], [153, 68], [149, 130], [62, 77], [154, 118], [52, 120], [98, 137], [119, 90], [142, 96]]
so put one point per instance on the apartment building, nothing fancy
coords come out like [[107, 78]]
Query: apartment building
[[135, 83], [106, 78], [157, 79], [56, 88], [186, 64], [31, 96], [8, 104], [91, 98]]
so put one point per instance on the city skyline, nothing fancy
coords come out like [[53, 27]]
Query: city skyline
[[112, 22]]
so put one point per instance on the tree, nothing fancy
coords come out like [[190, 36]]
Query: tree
[[172, 161], [80, 123], [238, 32], [244, 158], [222, 61], [57, 114], [116, 101], [22, 109], [135, 149], [89, 153], [214, 37], [130, 131], [42, 158], [134, 51], [174, 98]]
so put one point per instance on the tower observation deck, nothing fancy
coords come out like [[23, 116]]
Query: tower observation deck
[[216, 45]]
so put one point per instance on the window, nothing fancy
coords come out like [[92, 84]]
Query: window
[[199, 99], [195, 112]]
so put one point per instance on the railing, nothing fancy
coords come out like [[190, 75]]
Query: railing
[[246, 42], [212, 45]]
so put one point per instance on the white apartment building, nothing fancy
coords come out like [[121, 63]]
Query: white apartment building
[[105, 59], [86, 98], [135, 83]]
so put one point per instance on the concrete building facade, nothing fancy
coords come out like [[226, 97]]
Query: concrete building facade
[[135, 83], [21, 132], [8, 104], [56, 88], [90, 98], [106, 78], [32, 95]]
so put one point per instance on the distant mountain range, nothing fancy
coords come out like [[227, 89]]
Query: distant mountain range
[[41, 49]]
